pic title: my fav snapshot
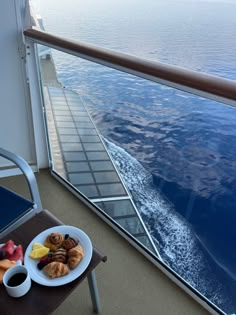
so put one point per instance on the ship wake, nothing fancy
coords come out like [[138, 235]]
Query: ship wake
[[173, 236]]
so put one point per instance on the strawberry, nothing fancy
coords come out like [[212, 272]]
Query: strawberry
[[18, 254], [44, 259], [8, 248]]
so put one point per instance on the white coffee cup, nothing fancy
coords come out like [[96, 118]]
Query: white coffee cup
[[17, 280]]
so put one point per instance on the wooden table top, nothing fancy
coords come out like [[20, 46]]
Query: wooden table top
[[40, 299]]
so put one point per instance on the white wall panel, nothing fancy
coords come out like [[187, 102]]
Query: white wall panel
[[16, 129]]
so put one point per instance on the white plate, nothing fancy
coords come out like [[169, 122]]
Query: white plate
[[39, 276]]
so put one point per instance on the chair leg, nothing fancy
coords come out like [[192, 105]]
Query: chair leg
[[94, 292]]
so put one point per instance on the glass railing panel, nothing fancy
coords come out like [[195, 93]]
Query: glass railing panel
[[128, 144], [144, 240], [78, 152], [118, 208], [131, 224]]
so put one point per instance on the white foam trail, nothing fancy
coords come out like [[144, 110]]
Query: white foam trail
[[174, 237]]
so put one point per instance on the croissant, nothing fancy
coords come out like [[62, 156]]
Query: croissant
[[70, 242], [56, 269], [54, 241], [75, 255]]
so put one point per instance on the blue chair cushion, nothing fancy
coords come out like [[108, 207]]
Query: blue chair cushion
[[12, 207]]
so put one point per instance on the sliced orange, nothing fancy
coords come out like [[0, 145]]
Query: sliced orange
[[6, 263], [2, 271]]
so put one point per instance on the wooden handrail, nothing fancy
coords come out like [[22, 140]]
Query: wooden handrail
[[202, 84]]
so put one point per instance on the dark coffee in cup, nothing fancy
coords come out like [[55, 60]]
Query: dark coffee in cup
[[16, 279]]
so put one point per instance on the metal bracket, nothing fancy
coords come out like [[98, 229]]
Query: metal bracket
[[22, 51]]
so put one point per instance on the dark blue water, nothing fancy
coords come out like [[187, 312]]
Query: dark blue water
[[176, 151]]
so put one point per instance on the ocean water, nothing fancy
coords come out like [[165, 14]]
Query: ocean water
[[175, 151]]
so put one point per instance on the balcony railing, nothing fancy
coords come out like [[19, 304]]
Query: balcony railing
[[201, 84], [211, 87]]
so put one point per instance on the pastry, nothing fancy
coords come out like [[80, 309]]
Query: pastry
[[60, 255], [70, 242], [56, 269], [75, 255], [54, 241]]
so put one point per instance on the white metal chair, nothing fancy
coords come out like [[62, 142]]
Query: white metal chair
[[15, 209]]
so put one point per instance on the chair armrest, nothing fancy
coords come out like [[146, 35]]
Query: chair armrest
[[27, 172]]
